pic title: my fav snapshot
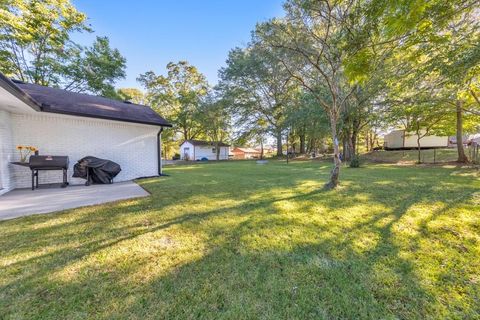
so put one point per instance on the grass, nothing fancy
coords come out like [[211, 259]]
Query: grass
[[411, 156], [245, 241]]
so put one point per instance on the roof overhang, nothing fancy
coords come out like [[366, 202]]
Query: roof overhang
[[46, 109], [18, 93], [14, 99]]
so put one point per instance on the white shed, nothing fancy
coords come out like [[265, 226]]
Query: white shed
[[400, 139], [199, 149]]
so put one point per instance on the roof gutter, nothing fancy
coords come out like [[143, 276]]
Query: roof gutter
[[18, 93], [75, 114], [13, 89]]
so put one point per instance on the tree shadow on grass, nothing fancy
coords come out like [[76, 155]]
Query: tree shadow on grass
[[256, 259]]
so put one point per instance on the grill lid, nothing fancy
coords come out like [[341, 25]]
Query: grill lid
[[48, 162]]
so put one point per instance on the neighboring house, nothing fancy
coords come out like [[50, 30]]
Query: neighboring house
[[267, 150], [199, 149], [400, 139], [59, 122], [245, 153], [452, 141], [474, 139]]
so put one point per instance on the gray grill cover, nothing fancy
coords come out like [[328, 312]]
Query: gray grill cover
[[99, 170]]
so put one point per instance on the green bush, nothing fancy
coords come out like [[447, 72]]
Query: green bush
[[355, 162]]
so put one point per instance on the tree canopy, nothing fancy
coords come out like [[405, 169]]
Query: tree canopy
[[178, 96], [36, 46]]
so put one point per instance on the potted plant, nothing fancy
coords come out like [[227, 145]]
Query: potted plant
[[25, 151]]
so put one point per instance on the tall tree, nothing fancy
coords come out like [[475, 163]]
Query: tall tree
[[310, 126], [132, 94], [435, 67], [311, 45], [260, 88], [215, 120], [94, 69], [178, 96], [36, 47]]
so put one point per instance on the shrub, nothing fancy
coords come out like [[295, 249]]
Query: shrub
[[355, 162]]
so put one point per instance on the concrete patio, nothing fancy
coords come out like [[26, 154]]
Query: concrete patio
[[24, 202]]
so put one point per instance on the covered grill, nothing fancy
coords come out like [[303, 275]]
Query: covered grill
[[96, 170], [38, 163]]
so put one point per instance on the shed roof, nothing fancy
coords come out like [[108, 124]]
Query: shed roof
[[61, 101], [206, 143]]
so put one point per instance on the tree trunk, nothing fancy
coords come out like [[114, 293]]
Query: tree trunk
[[350, 148], [261, 149], [354, 144], [279, 143], [217, 151], [345, 149], [335, 173], [310, 145], [373, 140], [419, 149], [462, 158], [367, 140], [419, 152], [302, 143]]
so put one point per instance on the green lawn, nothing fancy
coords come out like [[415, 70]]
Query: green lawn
[[411, 156], [244, 241]]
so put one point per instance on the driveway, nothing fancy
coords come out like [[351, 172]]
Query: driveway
[[24, 202]]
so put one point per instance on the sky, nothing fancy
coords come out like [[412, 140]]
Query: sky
[[150, 33]]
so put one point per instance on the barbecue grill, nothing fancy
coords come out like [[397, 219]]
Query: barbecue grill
[[38, 163]]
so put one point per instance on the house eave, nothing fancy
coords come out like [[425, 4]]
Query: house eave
[[10, 87], [106, 118], [24, 97]]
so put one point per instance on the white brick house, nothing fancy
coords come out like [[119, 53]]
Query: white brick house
[[58, 122], [199, 149]]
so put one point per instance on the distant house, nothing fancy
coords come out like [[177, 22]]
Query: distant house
[[267, 150], [400, 139], [466, 139], [474, 139], [246, 153], [199, 149]]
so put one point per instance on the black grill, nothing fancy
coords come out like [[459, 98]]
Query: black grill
[[38, 163]]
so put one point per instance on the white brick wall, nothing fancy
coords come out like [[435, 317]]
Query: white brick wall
[[133, 146], [6, 152]]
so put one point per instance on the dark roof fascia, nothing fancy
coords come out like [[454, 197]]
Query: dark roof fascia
[[19, 93], [105, 118], [11, 87]]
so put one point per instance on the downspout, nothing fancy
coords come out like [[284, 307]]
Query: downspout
[[159, 152]]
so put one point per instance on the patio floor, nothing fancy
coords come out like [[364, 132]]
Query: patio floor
[[24, 202]]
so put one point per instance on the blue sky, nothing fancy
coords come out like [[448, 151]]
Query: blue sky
[[152, 33]]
